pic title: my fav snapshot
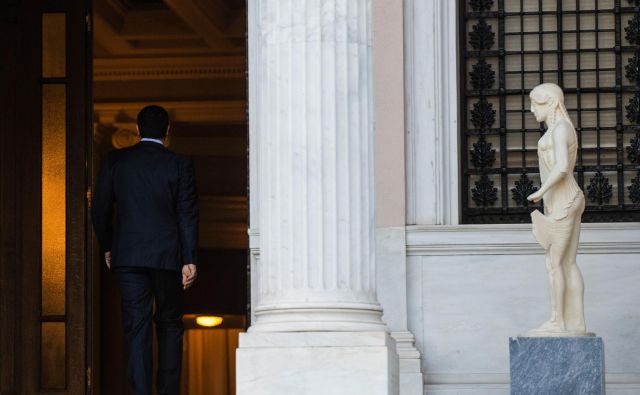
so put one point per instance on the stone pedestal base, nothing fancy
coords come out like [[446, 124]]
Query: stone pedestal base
[[306, 363], [561, 365]]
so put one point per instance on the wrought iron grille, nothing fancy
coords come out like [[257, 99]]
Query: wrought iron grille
[[591, 48]]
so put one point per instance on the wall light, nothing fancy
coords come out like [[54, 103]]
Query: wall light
[[208, 321]]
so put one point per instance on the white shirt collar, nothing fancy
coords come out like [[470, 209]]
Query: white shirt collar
[[154, 140]]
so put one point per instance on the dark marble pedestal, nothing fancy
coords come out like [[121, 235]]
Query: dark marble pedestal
[[557, 365]]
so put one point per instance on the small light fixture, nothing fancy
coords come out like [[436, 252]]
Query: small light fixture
[[208, 321]]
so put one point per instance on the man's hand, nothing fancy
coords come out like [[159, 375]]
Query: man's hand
[[107, 259], [189, 274]]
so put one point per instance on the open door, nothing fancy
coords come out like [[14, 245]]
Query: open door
[[45, 129]]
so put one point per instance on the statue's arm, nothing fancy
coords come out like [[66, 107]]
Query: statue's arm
[[561, 143]]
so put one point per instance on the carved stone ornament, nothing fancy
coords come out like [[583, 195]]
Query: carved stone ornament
[[123, 138]]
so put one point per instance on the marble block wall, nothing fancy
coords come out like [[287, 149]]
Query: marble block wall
[[469, 289]]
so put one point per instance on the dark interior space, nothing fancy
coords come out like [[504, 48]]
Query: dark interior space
[[189, 57]]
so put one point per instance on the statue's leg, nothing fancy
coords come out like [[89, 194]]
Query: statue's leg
[[556, 290], [574, 293], [552, 299], [556, 285]]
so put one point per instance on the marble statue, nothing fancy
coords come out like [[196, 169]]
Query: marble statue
[[558, 229]]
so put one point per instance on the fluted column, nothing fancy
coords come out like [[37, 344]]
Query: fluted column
[[315, 166]]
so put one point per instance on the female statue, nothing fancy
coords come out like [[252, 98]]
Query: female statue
[[558, 230]]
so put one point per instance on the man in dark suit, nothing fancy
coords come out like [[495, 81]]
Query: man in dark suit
[[152, 247]]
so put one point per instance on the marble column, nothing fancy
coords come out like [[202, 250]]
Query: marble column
[[315, 166], [318, 327]]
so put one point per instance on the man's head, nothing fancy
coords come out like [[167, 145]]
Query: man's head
[[153, 122]]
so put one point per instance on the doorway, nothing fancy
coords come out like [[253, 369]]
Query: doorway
[[188, 56]]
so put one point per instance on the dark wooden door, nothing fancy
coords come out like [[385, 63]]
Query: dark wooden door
[[44, 145]]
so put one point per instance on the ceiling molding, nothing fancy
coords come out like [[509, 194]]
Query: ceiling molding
[[182, 68], [188, 27], [154, 24], [107, 21], [206, 17], [208, 111]]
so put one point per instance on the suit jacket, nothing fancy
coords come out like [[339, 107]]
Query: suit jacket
[[156, 203]]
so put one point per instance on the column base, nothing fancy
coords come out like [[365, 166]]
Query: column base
[[411, 378], [319, 317], [309, 363]]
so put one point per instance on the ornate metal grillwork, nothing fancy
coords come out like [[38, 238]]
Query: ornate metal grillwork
[[591, 48]]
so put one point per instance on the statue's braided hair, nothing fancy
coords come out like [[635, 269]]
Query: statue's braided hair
[[551, 95]]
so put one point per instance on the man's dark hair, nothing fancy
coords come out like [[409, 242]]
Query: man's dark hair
[[153, 122]]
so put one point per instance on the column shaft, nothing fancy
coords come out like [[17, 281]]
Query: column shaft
[[315, 166]]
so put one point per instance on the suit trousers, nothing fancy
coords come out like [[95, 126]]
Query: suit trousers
[[139, 287]]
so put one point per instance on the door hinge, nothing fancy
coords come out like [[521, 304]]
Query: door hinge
[[89, 197], [87, 19]]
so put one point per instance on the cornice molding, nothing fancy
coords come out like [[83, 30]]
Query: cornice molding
[[434, 240], [179, 68], [206, 111], [516, 239]]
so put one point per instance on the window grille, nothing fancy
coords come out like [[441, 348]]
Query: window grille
[[590, 48]]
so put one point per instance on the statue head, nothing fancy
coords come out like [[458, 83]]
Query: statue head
[[547, 101]]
